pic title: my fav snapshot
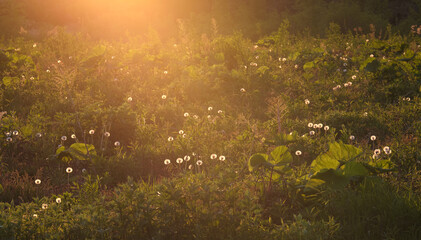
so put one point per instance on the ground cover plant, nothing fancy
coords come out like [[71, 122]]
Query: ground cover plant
[[211, 136]]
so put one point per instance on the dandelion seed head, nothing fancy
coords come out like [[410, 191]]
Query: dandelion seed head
[[298, 152], [38, 181], [213, 156], [58, 61], [242, 90], [326, 128], [210, 108], [307, 102], [58, 200], [352, 137], [219, 111], [222, 158], [167, 161], [386, 149], [34, 45], [38, 135], [15, 133], [73, 136], [170, 139], [91, 132], [165, 72], [372, 55], [186, 158], [354, 77], [312, 133], [195, 117], [284, 59], [44, 206], [190, 166], [181, 132], [199, 162], [310, 125], [107, 134], [373, 138], [375, 156], [377, 151], [63, 138], [84, 170], [129, 99], [186, 114], [184, 135], [164, 96], [9, 139], [117, 144], [69, 170], [35, 215], [179, 160]]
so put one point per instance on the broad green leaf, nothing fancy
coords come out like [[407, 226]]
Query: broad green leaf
[[257, 160], [280, 156], [60, 149], [332, 178], [343, 152], [353, 168], [323, 162]]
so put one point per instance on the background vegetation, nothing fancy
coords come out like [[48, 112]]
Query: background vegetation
[[202, 133]]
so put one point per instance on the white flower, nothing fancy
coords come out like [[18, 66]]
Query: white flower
[[164, 96], [242, 90], [37, 181], [350, 84], [307, 102], [220, 111], [310, 125], [298, 152], [213, 156], [190, 167], [117, 144], [377, 151], [326, 128], [91, 132], [371, 55], [73, 136], [179, 160], [375, 156], [373, 138], [69, 170], [184, 135], [221, 158], [354, 77], [9, 139], [38, 135], [352, 137], [107, 134], [186, 114], [320, 125], [210, 108], [345, 84], [167, 161], [199, 162], [284, 59], [129, 99], [170, 139], [15, 133], [63, 138], [186, 158], [58, 200], [181, 132], [312, 133], [44, 206], [386, 149]]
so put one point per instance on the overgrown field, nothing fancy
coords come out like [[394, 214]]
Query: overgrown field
[[211, 137]]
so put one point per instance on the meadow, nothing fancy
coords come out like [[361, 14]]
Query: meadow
[[211, 136]]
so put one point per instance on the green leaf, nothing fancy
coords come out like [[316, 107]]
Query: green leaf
[[257, 160], [332, 178], [343, 152], [281, 156], [353, 168], [323, 162], [308, 65]]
